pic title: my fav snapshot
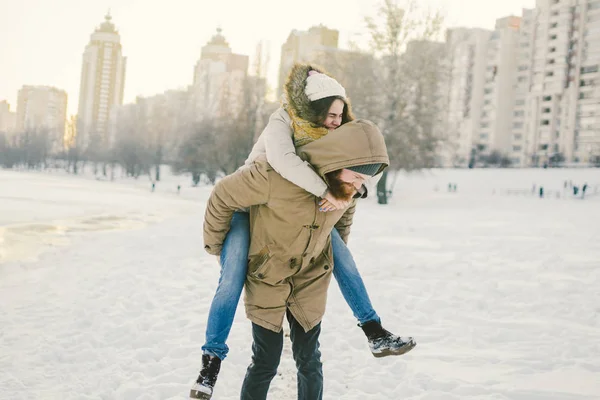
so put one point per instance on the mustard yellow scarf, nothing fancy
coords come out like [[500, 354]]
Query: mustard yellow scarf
[[304, 131]]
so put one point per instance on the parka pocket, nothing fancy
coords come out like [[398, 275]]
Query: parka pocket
[[269, 269], [258, 264]]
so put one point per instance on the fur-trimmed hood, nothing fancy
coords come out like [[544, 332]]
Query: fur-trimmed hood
[[295, 94]]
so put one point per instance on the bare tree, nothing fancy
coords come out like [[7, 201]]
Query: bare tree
[[198, 152], [131, 149], [408, 81], [220, 146]]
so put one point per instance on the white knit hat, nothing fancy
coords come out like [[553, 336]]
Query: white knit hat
[[319, 86]]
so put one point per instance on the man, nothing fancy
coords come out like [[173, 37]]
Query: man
[[290, 258]]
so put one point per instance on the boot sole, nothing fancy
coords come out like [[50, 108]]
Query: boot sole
[[194, 394], [396, 352]]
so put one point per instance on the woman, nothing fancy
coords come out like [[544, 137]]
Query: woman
[[316, 104]]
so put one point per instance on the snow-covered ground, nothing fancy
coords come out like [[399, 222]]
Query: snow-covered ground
[[104, 291]]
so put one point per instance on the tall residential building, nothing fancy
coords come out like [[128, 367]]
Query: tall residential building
[[8, 118], [102, 84], [495, 129], [522, 83], [219, 78], [466, 52], [303, 46], [481, 90], [43, 108], [564, 100]]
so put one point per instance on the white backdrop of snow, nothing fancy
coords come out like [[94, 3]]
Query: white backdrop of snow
[[105, 288]]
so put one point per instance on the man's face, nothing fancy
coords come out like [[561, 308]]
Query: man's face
[[344, 184], [354, 178], [334, 116]]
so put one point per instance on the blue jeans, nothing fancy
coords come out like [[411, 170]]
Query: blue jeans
[[234, 265]]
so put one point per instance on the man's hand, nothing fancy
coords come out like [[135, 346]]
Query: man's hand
[[330, 203]]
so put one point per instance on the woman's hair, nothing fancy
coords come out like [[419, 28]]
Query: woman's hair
[[321, 109]]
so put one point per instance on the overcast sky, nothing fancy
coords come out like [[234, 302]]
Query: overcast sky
[[42, 41]]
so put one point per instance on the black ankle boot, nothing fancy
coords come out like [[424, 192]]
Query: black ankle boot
[[203, 388], [384, 343]]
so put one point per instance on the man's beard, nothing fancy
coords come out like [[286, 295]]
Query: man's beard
[[339, 189]]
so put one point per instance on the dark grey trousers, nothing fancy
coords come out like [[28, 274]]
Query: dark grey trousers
[[266, 354]]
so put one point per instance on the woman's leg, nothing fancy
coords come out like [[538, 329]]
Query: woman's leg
[[381, 341], [351, 284], [234, 265]]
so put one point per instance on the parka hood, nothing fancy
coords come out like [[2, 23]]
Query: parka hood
[[358, 142], [295, 93]]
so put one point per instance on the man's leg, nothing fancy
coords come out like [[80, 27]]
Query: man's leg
[[234, 265], [305, 347], [350, 282], [266, 354]]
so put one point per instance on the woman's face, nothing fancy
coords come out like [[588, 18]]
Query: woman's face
[[334, 116]]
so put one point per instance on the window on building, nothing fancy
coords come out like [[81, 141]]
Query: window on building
[[547, 98], [544, 146], [550, 73], [517, 125], [523, 67], [545, 122], [520, 102], [594, 5], [554, 13], [487, 102], [546, 110], [519, 113], [517, 148], [551, 61], [522, 79], [553, 37], [589, 69], [485, 125], [518, 136], [554, 25], [592, 30], [483, 136], [552, 50]]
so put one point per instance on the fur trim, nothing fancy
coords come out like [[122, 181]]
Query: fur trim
[[295, 94]]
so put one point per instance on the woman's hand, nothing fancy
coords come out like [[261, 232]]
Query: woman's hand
[[330, 203]]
